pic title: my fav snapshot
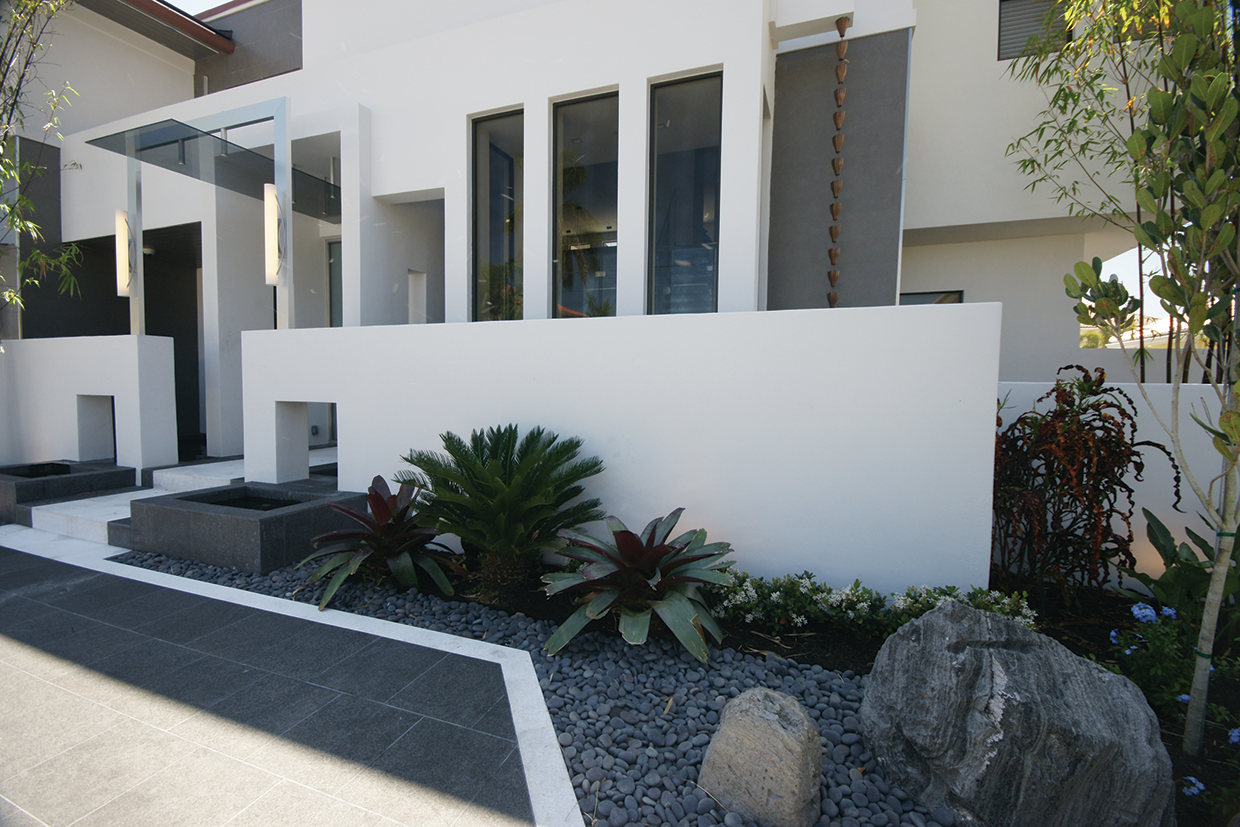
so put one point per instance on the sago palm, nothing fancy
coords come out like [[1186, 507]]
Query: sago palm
[[503, 495]]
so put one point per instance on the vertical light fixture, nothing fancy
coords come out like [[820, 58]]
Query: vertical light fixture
[[124, 254], [271, 234]]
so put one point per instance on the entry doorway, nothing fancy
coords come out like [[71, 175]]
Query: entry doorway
[[172, 261]]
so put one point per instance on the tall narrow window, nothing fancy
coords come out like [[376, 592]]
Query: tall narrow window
[[498, 156], [335, 285], [584, 263], [686, 119]]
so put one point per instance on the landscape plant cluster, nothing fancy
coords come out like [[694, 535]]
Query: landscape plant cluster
[[785, 604], [1062, 501], [511, 499], [1063, 511]]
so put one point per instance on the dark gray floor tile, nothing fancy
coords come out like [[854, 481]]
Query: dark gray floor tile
[[11, 560], [326, 749], [204, 682], [176, 696], [268, 706], [46, 579], [504, 800], [16, 610], [309, 651], [197, 621], [143, 610], [137, 667], [380, 670], [247, 637], [457, 689], [72, 637], [429, 775], [102, 593], [497, 721]]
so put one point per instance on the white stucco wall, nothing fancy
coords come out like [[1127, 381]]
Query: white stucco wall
[[764, 426], [1040, 331], [44, 377], [115, 72], [963, 112], [235, 298]]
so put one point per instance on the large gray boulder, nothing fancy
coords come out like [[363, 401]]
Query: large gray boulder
[[765, 761], [1006, 727]]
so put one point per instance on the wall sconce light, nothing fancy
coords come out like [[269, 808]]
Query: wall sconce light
[[126, 254], [273, 241]]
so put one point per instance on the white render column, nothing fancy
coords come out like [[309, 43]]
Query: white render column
[[631, 196], [458, 246], [536, 191]]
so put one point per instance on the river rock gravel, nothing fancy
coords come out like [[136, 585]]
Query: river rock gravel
[[632, 721]]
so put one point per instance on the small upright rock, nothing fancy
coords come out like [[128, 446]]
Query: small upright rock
[[1007, 728], [765, 761]]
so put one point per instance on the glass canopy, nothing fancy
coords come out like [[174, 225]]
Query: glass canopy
[[206, 156]]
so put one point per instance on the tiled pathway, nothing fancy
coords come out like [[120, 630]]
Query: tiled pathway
[[127, 702]]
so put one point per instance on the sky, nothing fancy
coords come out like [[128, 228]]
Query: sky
[[196, 6], [1125, 266]]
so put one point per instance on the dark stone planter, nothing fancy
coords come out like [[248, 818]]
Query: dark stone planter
[[252, 527], [57, 480]]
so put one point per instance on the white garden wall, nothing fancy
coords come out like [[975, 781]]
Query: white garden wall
[[854, 443], [44, 381]]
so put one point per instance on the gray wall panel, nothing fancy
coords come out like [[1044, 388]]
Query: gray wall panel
[[801, 174], [268, 39]]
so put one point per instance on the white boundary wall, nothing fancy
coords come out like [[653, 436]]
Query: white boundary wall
[[854, 443], [1155, 491], [42, 385]]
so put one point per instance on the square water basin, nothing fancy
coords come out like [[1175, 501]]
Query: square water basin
[[252, 527]]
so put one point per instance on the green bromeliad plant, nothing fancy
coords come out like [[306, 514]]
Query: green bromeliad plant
[[391, 539], [505, 497], [640, 575]]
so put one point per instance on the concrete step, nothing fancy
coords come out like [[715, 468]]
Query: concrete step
[[88, 518]]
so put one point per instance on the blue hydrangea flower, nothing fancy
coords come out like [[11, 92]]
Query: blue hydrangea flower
[[1183, 698], [1144, 613], [1234, 736], [1115, 636], [1192, 786], [1167, 611]]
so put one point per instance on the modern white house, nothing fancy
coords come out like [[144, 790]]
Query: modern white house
[[691, 232]]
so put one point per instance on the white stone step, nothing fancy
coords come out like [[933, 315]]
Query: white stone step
[[87, 519], [210, 475]]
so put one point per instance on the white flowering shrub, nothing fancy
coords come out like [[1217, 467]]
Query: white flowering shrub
[[785, 604]]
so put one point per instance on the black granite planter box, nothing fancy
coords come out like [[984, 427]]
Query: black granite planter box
[[57, 480], [252, 527]]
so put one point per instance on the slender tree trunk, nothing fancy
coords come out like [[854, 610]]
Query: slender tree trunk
[[1194, 721]]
